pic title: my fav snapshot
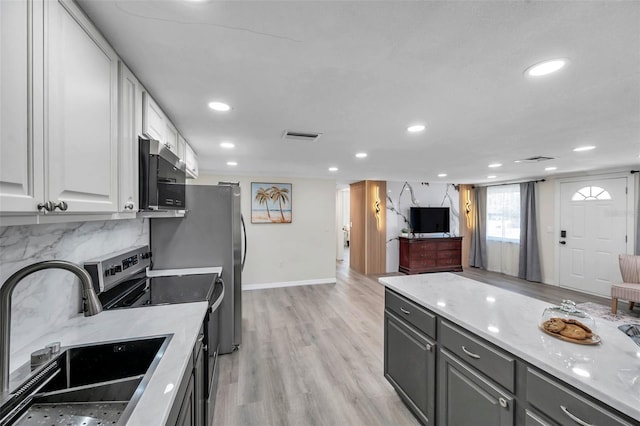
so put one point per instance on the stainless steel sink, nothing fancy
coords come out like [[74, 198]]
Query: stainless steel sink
[[86, 385]]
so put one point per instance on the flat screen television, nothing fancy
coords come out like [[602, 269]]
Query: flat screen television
[[426, 220]]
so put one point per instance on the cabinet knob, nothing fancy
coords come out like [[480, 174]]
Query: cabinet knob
[[503, 402], [48, 206], [429, 347], [128, 205], [62, 205]]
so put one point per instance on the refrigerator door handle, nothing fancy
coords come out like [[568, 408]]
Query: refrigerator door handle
[[244, 232]]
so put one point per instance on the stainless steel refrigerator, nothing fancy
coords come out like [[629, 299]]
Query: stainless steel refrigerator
[[210, 235]]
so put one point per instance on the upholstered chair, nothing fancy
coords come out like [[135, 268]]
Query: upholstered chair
[[629, 289]]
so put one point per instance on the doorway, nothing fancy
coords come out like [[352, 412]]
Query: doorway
[[343, 223], [593, 232]]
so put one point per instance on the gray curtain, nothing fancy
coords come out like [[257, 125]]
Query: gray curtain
[[529, 268], [478, 252], [638, 217]]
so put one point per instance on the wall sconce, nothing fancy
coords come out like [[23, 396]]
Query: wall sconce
[[376, 206]]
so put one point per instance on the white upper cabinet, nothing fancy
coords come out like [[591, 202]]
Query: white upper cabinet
[[191, 161], [21, 155], [130, 127], [172, 138], [81, 134], [154, 122], [182, 149]]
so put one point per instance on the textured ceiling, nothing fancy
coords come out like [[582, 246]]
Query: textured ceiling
[[361, 72]]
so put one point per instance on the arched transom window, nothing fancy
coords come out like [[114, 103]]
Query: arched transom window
[[591, 193]]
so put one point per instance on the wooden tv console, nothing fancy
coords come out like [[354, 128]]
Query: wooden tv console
[[418, 255]]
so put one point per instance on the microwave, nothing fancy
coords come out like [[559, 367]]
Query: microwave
[[162, 177]]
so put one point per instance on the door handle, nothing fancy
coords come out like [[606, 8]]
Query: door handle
[[563, 242]]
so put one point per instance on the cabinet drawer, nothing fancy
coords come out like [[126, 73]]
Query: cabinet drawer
[[423, 245], [449, 254], [561, 404], [492, 362], [449, 245], [422, 262], [411, 312]]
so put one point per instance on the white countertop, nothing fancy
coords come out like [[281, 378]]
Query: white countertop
[[182, 320], [609, 372]]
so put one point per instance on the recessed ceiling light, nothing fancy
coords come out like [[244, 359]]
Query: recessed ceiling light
[[227, 145], [416, 128], [442, 175], [584, 148], [546, 67], [231, 163], [549, 169], [219, 106], [361, 154], [491, 177], [333, 169], [494, 165]]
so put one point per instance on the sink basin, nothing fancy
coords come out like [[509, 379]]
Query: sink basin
[[85, 385]]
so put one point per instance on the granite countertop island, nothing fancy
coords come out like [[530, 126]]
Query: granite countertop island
[[609, 371], [182, 321]]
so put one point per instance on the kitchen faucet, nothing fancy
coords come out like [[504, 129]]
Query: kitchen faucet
[[92, 305]]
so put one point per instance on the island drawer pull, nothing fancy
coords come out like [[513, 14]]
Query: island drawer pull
[[471, 354], [574, 418], [404, 311]]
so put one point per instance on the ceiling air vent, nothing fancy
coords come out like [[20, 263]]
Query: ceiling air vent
[[300, 136], [537, 159]]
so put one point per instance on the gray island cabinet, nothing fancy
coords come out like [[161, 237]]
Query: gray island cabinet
[[449, 374]]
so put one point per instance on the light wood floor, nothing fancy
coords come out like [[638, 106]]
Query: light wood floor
[[313, 355]]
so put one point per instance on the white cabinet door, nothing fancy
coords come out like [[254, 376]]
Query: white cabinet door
[[153, 119], [130, 127], [191, 161], [172, 137], [21, 155], [80, 111], [182, 149]]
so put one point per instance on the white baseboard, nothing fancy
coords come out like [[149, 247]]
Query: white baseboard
[[263, 286]]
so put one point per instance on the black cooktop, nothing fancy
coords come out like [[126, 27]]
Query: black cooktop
[[141, 290]]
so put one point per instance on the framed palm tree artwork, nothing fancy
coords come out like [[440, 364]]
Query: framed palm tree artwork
[[270, 202]]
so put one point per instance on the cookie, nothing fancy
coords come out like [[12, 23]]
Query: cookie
[[554, 325], [579, 324], [574, 331]]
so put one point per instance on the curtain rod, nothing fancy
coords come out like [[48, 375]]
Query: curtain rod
[[515, 183]]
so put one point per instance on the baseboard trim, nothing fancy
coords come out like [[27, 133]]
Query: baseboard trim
[[262, 286]]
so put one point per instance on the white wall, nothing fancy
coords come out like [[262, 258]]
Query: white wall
[[432, 195], [42, 302], [302, 252], [547, 233]]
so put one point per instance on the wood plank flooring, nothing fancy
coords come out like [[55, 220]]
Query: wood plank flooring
[[313, 355]]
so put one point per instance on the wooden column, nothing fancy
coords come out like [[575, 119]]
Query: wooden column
[[368, 253], [466, 221]]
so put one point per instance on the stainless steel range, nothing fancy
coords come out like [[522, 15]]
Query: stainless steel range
[[124, 280]]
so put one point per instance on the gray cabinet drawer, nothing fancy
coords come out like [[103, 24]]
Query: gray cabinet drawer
[[561, 404], [411, 312], [494, 363]]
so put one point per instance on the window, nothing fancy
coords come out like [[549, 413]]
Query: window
[[503, 213], [591, 193]]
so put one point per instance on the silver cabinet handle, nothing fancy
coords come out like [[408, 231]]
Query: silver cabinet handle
[[62, 205], [471, 354], [48, 206], [128, 205], [503, 402], [429, 347], [574, 418], [404, 311]]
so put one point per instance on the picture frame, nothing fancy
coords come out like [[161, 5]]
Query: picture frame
[[271, 202]]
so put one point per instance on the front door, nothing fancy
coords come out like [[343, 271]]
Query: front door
[[593, 230]]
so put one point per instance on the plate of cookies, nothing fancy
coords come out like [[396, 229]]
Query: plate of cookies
[[570, 330]]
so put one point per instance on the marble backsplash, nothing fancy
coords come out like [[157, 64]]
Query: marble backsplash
[[46, 299]]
